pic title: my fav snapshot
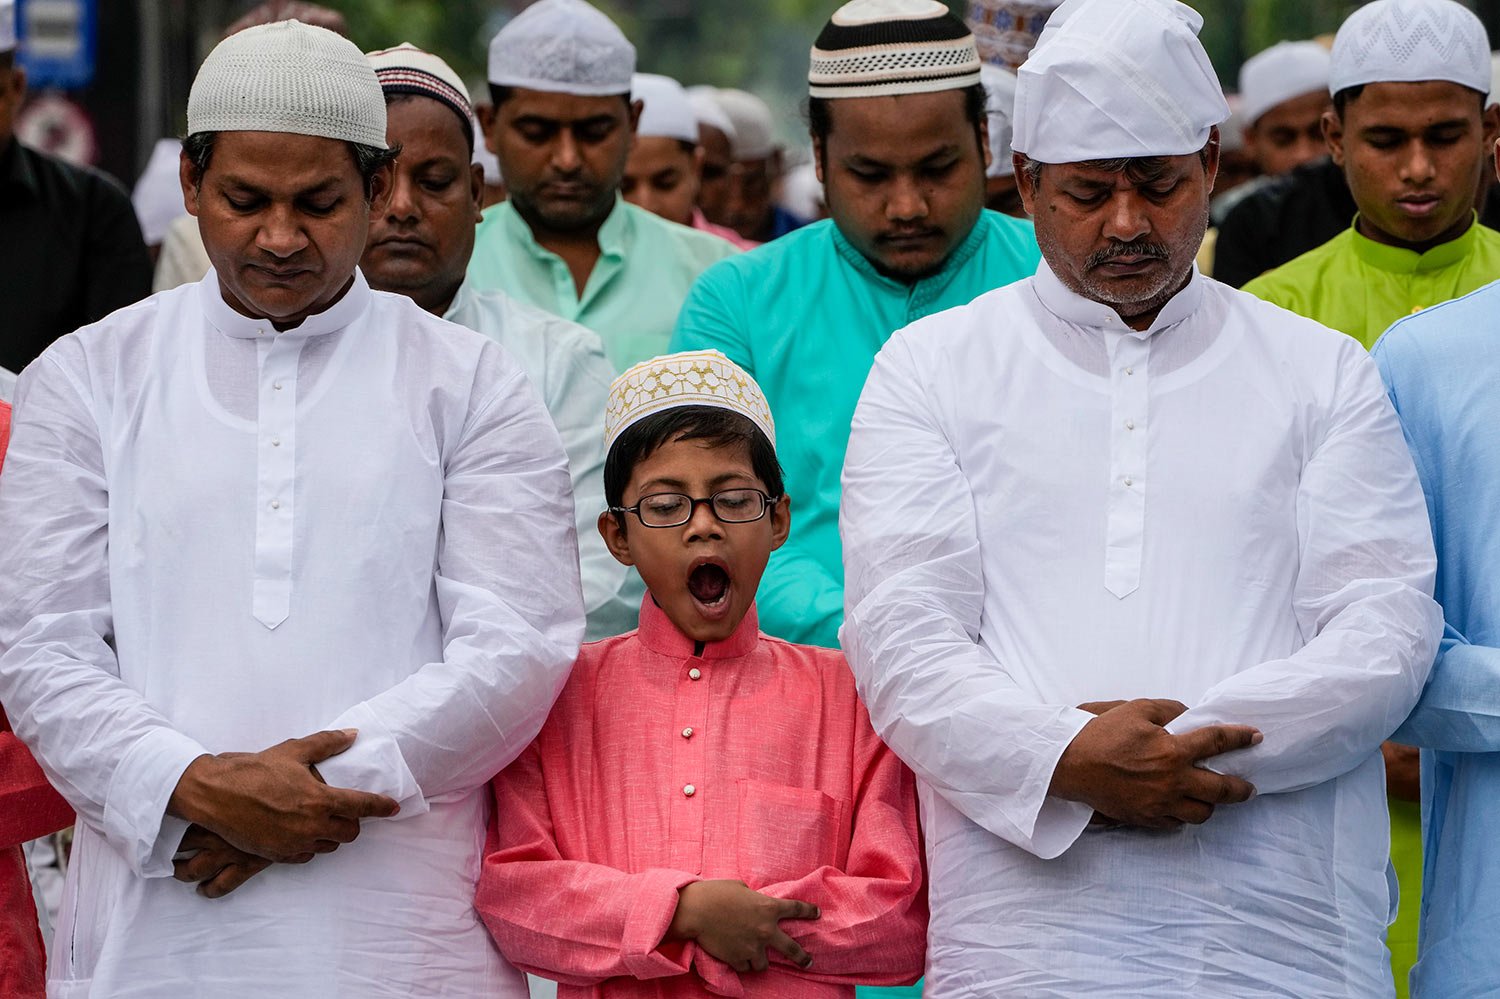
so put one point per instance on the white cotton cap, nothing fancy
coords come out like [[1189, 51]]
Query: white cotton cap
[[1110, 79], [705, 101], [1280, 73], [562, 46], [157, 195], [289, 77], [667, 112], [802, 191], [753, 137], [1000, 106], [7, 25], [1410, 41]]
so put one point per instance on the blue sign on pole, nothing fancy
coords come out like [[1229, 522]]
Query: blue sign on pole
[[57, 42]]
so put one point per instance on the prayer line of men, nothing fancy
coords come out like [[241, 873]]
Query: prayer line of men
[[1282, 591]]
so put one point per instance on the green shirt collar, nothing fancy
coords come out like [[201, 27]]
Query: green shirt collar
[[1399, 260]]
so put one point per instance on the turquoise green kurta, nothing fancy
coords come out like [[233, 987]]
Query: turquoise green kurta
[[806, 314], [646, 266], [1358, 286]]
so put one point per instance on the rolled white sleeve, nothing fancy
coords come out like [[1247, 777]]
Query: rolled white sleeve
[[512, 613], [114, 757], [1363, 596], [914, 596]]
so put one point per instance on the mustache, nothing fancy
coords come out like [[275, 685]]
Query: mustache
[[1139, 248]]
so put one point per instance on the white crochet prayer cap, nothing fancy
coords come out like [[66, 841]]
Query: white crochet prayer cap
[[873, 48], [753, 137], [705, 101], [7, 25], [1280, 73], [1409, 41], [289, 77], [667, 112], [562, 46], [1000, 107], [1112, 79], [691, 378]]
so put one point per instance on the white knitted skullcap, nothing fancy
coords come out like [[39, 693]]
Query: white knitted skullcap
[[7, 25], [705, 101], [691, 378], [1000, 106], [289, 77], [1280, 73], [667, 111], [754, 130], [562, 46], [1409, 41], [871, 48]]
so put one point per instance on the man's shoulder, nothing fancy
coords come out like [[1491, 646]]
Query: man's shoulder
[[1464, 326], [1302, 276], [91, 186], [526, 329]]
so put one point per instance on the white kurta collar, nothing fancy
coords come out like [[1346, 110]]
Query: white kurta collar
[[1071, 307], [222, 316]]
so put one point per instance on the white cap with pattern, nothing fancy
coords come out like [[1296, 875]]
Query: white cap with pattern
[[1411, 41], [666, 110], [562, 46], [690, 378], [289, 77]]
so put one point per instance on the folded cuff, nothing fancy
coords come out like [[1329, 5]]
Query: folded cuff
[[135, 807]]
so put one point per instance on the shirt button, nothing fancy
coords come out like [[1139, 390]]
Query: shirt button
[[1129, 481], [1129, 424], [689, 790], [687, 733], [276, 386], [1130, 371], [276, 504], [276, 442], [695, 674]]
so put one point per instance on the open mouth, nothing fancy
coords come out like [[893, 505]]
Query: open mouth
[[708, 584]]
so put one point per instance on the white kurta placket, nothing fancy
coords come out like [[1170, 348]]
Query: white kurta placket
[[276, 465], [1129, 390]]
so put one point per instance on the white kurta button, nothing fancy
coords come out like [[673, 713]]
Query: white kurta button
[[276, 442], [276, 386], [1129, 481], [695, 674], [1129, 424], [687, 733], [689, 790], [276, 504], [1130, 371]]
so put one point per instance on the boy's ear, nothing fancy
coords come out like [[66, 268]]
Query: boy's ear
[[615, 538], [781, 522]]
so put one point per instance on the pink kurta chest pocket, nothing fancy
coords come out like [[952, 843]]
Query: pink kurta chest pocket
[[783, 833]]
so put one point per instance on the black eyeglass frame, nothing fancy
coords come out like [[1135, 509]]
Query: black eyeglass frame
[[767, 502]]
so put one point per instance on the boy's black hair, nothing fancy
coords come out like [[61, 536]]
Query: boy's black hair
[[710, 424]]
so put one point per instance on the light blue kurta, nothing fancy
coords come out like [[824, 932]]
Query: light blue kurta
[[1442, 368], [806, 315]]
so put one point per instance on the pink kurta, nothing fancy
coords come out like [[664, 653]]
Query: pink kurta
[[701, 223], [752, 760]]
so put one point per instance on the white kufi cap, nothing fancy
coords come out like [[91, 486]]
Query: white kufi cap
[[289, 77], [705, 101], [753, 136], [1280, 73], [690, 378], [667, 112], [1409, 41], [1000, 105], [563, 46], [1111, 79]]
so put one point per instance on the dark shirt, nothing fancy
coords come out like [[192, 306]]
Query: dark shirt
[[1290, 215], [72, 251], [783, 222]]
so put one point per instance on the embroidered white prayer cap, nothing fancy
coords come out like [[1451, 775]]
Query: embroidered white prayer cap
[[871, 48], [1409, 41], [407, 69], [753, 137], [690, 378], [706, 107], [7, 25], [562, 46], [1000, 106], [288, 77], [666, 110], [1111, 79], [1280, 73]]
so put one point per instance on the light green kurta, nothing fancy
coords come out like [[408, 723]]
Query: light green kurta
[[1358, 286], [646, 266]]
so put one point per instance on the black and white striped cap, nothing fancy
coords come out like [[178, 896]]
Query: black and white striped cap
[[872, 48]]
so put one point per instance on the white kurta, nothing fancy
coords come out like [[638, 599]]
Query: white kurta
[[566, 363], [218, 537], [1042, 508]]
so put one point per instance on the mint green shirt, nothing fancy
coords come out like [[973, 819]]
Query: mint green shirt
[[646, 266], [806, 315]]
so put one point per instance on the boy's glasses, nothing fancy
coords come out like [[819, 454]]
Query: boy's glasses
[[731, 506]]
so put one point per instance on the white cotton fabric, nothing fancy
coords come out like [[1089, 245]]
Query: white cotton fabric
[[1409, 41], [1000, 107], [562, 46], [219, 537], [566, 364], [7, 25], [705, 101], [667, 112], [157, 195], [753, 136], [288, 77], [1117, 78], [7, 385], [1042, 508], [1280, 73]]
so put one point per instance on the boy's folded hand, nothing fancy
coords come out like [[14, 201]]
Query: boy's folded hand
[[736, 924]]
